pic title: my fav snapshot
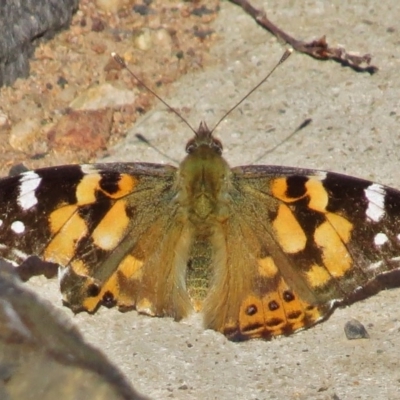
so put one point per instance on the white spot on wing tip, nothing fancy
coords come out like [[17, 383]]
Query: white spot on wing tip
[[375, 194], [88, 169], [18, 227], [380, 239], [319, 175], [29, 182]]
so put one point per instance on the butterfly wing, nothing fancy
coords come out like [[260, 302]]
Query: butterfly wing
[[110, 227], [297, 244], [289, 246]]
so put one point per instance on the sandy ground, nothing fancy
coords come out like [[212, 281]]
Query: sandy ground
[[354, 131]]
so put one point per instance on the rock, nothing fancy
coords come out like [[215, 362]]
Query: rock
[[103, 96], [149, 38], [355, 330], [22, 23], [4, 121], [26, 135], [82, 130], [42, 356], [111, 6]]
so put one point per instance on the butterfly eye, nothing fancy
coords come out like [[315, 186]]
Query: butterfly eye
[[217, 146], [190, 146]]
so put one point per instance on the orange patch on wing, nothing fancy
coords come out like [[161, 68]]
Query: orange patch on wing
[[278, 312], [62, 247], [110, 231], [126, 184], [131, 267], [90, 303], [79, 267], [293, 309], [249, 319], [318, 195], [279, 188], [290, 234], [314, 189], [111, 286], [59, 217], [318, 276], [267, 267], [91, 183], [341, 225], [128, 267], [335, 256], [275, 320], [145, 306], [86, 189]]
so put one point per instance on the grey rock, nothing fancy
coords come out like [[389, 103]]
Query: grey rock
[[22, 24], [42, 356], [354, 329]]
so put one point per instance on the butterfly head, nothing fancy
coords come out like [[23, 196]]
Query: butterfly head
[[204, 138]]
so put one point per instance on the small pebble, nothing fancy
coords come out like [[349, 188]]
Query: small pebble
[[3, 119], [25, 136], [355, 330], [111, 6], [102, 96]]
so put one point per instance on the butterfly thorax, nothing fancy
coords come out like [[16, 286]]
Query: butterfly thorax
[[204, 179]]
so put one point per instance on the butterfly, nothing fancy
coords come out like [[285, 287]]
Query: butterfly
[[261, 251]]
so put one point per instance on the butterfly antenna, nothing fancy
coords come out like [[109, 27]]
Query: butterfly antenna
[[303, 125], [123, 64], [143, 139], [284, 57]]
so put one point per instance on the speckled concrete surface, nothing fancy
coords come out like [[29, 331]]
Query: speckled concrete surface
[[354, 131]]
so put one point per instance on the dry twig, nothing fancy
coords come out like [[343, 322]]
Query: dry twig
[[318, 49]]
